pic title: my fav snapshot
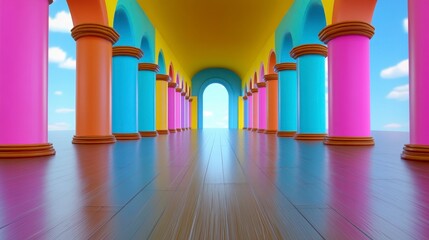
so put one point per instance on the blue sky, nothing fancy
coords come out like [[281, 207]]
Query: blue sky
[[215, 106], [389, 72]]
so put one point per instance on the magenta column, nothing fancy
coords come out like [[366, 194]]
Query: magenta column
[[24, 79], [348, 83], [178, 109], [418, 18], [182, 120], [172, 107], [255, 112], [250, 110], [262, 92]]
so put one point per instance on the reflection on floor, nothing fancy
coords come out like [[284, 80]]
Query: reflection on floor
[[216, 184]]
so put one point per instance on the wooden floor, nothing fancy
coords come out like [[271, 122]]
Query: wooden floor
[[216, 184]]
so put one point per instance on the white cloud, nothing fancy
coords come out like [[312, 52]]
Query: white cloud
[[59, 126], [56, 55], [69, 63], [399, 93], [64, 110], [405, 24], [62, 22], [207, 114], [397, 71], [392, 126], [59, 56], [58, 93]]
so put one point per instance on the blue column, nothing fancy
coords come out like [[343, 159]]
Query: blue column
[[124, 92], [147, 96], [287, 99], [311, 91]]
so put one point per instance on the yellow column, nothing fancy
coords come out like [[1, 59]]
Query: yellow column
[[240, 113], [194, 121], [162, 103]]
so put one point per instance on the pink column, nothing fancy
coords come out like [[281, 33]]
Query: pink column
[[172, 107], [178, 109], [24, 79], [262, 107], [255, 112], [182, 121], [418, 17], [186, 112], [348, 83], [250, 110]]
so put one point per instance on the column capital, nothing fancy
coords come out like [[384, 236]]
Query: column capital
[[307, 49], [172, 85], [249, 94], [271, 77], [183, 94], [245, 97], [284, 66], [94, 30], [261, 84], [179, 90], [148, 67], [191, 99], [187, 97], [254, 90], [162, 77], [346, 28], [127, 51], [50, 1]]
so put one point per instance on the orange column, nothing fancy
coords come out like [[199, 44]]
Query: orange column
[[93, 91], [272, 103]]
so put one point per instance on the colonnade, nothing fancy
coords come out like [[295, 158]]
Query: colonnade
[[295, 95], [115, 94]]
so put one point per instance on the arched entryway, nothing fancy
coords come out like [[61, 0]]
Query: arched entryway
[[227, 78], [215, 108]]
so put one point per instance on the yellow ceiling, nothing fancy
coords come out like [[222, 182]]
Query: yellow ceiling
[[216, 33]]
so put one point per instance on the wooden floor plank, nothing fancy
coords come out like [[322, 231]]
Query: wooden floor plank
[[216, 184]]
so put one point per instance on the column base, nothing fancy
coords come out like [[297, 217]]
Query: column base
[[162, 132], [349, 141], [26, 150], [244, 128], [254, 129], [172, 130], [286, 134], [261, 131], [94, 139], [415, 152], [148, 134], [183, 129], [249, 129], [270, 131], [178, 129], [127, 136], [310, 137]]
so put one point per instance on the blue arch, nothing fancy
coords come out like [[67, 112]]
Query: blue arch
[[122, 25], [314, 22], [227, 78], [286, 47], [148, 56], [161, 63]]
